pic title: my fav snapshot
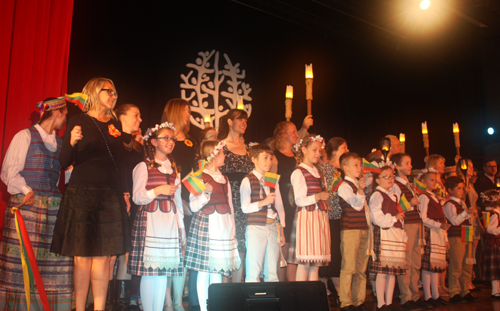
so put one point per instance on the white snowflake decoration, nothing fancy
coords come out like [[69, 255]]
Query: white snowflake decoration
[[213, 91]]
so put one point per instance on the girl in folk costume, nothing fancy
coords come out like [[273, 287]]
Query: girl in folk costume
[[389, 237], [436, 238], [212, 248], [158, 231], [491, 256], [31, 172], [408, 283], [310, 239]]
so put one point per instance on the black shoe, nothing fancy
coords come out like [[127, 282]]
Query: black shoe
[[410, 305], [470, 298], [443, 302], [384, 308], [135, 308], [496, 296], [348, 308], [362, 307], [423, 304], [122, 295], [392, 307], [457, 299], [434, 303]]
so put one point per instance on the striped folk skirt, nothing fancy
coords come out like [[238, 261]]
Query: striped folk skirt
[[310, 240], [56, 271], [436, 249], [375, 266], [491, 260]]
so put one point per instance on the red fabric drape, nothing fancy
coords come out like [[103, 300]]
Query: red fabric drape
[[34, 53]]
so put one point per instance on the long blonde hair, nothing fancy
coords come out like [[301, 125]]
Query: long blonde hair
[[92, 90], [174, 113]]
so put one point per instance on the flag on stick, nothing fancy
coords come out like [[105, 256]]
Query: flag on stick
[[486, 219], [403, 205], [419, 186], [79, 99], [271, 179], [467, 233], [368, 167], [193, 184], [336, 182]]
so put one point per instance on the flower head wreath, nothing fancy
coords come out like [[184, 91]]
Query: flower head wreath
[[386, 163], [310, 139], [492, 196], [426, 170], [164, 125], [216, 151]]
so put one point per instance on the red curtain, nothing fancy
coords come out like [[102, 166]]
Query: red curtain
[[34, 53]]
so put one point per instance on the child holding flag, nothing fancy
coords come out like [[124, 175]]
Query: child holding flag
[[436, 238], [408, 200], [212, 248], [310, 241], [355, 234], [261, 200], [491, 257], [158, 232], [460, 239], [389, 238]]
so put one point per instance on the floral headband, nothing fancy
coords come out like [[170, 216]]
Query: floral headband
[[386, 163], [150, 131], [310, 139], [216, 150], [491, 196], [426, 170]]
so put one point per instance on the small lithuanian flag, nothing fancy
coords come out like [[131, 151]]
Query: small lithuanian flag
[[271, 179], [419, 186], [403, 205], [193, 184], [368, 167], [78, 99], [467, 233], [486, 219], [336, 182]]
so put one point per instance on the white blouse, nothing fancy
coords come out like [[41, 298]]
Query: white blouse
[[493, 228], [356, 200], [141, 196], [15, 159], [450, 212], [300, 186], [377, 215], [424, 206]]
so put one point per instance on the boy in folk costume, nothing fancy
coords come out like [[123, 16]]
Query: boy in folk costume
[[491, 256], [460, 269], [266, 218], [355, 233]]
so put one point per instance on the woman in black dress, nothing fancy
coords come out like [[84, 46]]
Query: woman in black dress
[[236, 166], [92, 223]]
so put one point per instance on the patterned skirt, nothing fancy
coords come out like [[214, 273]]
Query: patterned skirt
[[375, 266], [426, 257], [491, 260], [56, 271], [92, 221], [310, 240], [135, 265], [198, 247]]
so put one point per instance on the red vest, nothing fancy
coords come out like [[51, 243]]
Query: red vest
[[390, 207], [314, 186], [218, 199], [456, 231], [411, 217], [155, 179], [434, 210], [351, 218], [258, 218]]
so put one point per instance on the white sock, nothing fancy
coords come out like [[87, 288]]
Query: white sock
[[302, 273], [178, 287], [380, 286], [153, 289], [495, 287], [426, 284], [435, 285], [202, 283], [389, 288]]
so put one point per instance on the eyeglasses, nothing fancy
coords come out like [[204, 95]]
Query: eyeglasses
[[387, 177], [491, 166], [110, 92], [167, 138]]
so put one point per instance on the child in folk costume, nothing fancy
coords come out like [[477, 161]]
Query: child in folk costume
[[436, 238], [460, 268], [266, 218], [408, 283], [491, 256], [355, 234], [158, 232], [310, 240], [212, 248], [389, 237]]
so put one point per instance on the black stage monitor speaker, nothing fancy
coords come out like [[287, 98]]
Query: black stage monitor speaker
[[272, 296]]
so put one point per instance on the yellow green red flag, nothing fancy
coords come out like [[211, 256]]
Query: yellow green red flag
[[467, 233]]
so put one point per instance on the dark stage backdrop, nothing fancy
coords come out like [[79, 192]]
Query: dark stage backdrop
[[362, 90]]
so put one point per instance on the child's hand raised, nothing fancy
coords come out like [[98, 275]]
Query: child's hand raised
[[400, 216], [414, 201], [445, 226], [361, 185], [323, 196], [269, 199]]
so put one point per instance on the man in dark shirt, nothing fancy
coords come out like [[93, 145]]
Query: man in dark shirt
[[487, 181]]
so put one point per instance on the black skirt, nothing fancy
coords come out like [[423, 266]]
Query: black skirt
[[333, 268], [92, 221]]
